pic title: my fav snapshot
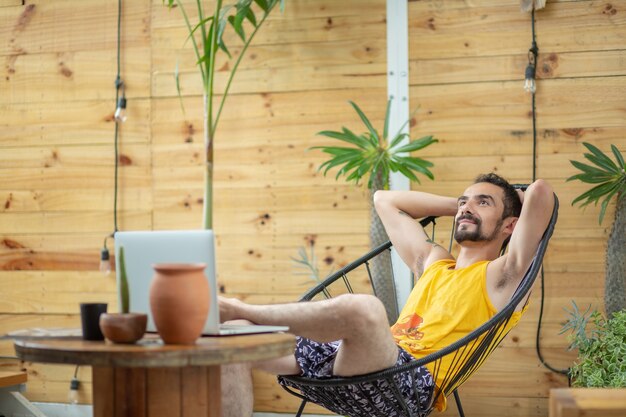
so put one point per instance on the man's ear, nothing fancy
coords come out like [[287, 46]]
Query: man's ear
[[509, 225]]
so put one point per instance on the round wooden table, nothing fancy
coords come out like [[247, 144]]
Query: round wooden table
[[152, 379]]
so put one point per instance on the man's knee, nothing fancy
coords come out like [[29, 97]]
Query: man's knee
[[364, 311]]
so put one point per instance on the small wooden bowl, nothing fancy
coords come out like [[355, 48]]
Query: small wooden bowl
[[123, 328]]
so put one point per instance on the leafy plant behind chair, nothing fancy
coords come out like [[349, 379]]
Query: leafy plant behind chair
[[307, 264], [601, 358], [374, 155], [609, 178], [212, 29]]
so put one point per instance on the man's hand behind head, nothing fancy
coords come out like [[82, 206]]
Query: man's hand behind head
[[520, 193]]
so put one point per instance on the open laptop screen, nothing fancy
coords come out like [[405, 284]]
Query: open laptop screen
[[142, 249]]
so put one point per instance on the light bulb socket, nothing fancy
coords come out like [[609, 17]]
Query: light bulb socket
[[121, 102], [530, 72], [104, 254], [74, 383]]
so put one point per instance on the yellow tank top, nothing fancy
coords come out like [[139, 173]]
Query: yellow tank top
[[445, 305]]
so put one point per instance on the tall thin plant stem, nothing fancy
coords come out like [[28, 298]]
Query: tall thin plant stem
[[232, 73]]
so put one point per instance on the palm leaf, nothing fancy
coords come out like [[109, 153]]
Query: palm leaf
[[602, 163], [251, 17], [365, 120], [207, 47], [345, 158], [374, 155], [591, 178], [386, 128], [398, 139], [243, 8], [349, 167], [618, 156], [594, 194], [346, 137], [407, 121], [599, 154], [605, 203], [416, 164], [221, 26], [359, 172], [195, 28], [407, 173], [367, 141], [588, 169], [236, 22], [337, 150], [262, 4], [338, 160], [189, 28], [417, 144]]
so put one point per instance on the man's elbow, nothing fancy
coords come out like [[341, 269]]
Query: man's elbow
[[541, 192], [380, 198]]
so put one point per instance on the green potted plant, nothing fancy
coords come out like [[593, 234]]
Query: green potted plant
[[123, 327], [210, 30], [601, 361], [374, 155], [609, 178]]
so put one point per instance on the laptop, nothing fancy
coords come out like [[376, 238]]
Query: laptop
[[142, 249]]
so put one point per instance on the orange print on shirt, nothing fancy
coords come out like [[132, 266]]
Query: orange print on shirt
[[408, 327]]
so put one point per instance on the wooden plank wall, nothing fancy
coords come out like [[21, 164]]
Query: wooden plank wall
[[467, 62]]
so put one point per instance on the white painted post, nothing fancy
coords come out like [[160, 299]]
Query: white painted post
[[398, 91]]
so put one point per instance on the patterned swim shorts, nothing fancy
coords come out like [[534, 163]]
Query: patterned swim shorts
[[365, 399]]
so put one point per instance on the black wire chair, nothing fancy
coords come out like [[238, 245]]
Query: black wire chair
[[468, 353]]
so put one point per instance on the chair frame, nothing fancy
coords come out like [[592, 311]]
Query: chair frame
[[485, 338]]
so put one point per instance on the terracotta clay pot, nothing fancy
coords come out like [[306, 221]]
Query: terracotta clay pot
[[179, 301], [123, 328]]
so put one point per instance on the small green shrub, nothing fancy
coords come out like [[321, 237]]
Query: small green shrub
[[601, 358]]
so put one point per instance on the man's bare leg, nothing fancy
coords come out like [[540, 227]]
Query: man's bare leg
[[237, 398], [237, 395], [359, 321]]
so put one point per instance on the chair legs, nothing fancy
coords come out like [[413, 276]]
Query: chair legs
[[301, 409], [458, 403]]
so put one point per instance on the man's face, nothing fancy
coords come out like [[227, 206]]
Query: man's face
[[479, 215]]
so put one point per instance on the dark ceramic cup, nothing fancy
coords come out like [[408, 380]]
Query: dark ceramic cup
[[90, 320]]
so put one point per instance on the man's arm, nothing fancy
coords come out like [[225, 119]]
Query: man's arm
[[398, 211], [537, 206]]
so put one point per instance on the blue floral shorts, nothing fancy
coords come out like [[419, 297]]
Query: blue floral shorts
[[365, 399]]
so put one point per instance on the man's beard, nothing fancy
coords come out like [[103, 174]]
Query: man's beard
[[475, 235]]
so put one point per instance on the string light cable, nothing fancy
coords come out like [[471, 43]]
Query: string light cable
[[118, 117], [72, 396], [531, 87]]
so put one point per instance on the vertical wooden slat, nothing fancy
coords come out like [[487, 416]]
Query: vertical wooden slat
[[103, 391], [164, 392], [130, 392], [194, 392], [214, 390]]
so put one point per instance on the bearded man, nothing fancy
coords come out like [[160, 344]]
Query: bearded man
[[349, 335]]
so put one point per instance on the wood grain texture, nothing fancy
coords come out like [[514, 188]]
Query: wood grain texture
[[589, 402], [8, 379], [151, 352], [467, 63]]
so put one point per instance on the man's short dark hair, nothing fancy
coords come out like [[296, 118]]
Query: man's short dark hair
[[512, 203]]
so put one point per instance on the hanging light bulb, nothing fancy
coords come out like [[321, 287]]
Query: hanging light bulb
[[530, 86], [120, 111], [72, 395], [105, 261]]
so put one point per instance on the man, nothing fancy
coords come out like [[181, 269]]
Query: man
[[349, 335]]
